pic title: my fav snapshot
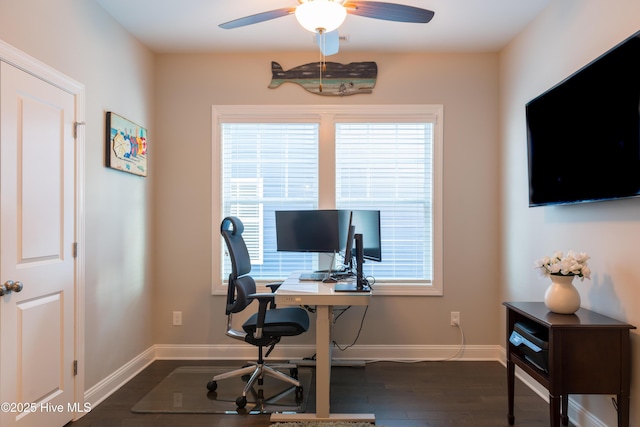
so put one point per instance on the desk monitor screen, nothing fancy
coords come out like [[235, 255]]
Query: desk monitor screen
[[308, 231], [367, 223], [349, 253]]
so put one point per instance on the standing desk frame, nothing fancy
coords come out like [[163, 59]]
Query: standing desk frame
[[323, 296]]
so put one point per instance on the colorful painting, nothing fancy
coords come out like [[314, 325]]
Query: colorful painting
[[336, 80], [126, 145]]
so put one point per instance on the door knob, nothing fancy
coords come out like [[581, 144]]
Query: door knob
[[10, 286]]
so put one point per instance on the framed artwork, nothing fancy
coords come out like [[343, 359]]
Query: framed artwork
[[126, 145]]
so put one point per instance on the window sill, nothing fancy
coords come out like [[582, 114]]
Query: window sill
[[380, 289]]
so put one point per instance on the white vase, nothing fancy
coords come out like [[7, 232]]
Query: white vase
[[561, 296]]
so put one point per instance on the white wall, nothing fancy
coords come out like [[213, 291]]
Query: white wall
[[568, 35], [466, 84], [79, 39]]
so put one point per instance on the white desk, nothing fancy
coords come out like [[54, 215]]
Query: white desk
[[323, 296]]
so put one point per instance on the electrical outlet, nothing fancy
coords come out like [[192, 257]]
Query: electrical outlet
[[455, 318], [177, 318], [177, 400]]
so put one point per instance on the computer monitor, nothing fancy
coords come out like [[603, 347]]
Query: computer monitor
[[367, 223], [348, 244], [309, 231]]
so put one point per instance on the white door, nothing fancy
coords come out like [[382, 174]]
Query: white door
[[37, 229]]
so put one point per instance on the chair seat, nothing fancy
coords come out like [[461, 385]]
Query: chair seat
[[287, 321]]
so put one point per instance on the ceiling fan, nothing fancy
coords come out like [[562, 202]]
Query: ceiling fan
[[323, 17]]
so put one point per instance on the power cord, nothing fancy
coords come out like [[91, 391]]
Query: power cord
[[371, 281], [458, 351], [364, 315]]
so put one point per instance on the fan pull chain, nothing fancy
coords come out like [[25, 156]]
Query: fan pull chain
[[322, 64]]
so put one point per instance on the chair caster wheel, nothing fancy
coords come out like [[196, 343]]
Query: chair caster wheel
[[212, 385], [299, 394], [241, 402]]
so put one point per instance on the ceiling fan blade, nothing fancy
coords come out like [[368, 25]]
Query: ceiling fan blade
[[329, 43], [257, 18], [388, 11]]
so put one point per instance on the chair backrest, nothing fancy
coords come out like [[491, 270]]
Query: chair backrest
[[240, 283]]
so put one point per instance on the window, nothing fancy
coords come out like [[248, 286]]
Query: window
[[268, 158], [268, 167], [393, 175]]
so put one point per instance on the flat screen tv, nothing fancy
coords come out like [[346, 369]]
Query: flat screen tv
[[583, 135]]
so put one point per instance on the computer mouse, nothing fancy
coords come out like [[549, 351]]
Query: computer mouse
[[329, 280]]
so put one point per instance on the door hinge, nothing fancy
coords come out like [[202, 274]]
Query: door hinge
[[75, 368], [75, 128], [75, 249]]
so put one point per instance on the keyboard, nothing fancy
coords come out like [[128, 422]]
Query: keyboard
[[313, 277]]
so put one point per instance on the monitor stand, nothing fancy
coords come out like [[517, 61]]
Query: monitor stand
[[351, 287], [360, 284]]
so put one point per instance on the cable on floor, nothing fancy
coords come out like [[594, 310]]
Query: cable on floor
[[453, 356]]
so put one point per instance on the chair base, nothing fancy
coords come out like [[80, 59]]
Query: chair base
[[257, 372]]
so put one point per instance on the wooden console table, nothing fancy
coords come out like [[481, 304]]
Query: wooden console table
[[588, 354]]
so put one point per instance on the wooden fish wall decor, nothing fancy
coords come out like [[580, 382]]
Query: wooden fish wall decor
[[336, 79]]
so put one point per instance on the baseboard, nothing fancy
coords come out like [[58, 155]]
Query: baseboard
[[105, 388], [362, 352]]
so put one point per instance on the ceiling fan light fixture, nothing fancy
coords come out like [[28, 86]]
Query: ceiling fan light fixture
[[325, 15]]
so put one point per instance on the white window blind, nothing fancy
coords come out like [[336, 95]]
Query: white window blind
[[388, 167], [245, 202], [268, 167]]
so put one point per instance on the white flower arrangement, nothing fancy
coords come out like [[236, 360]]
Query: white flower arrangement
[[573, 264]]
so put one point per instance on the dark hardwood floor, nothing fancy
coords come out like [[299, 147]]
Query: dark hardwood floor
[[424, 394]]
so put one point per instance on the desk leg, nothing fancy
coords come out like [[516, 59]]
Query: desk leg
[[623, 409], [554, 410], [324, 346], [323, 371], [511, 368], [565, 409], [323, 359]]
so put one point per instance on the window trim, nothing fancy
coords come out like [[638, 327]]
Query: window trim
[[327, 116]]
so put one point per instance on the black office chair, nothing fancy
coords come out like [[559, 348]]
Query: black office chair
[[264, 328]]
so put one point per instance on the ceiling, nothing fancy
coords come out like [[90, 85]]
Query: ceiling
[[171, 26]]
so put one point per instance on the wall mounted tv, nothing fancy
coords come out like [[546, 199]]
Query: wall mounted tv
[[583, 135]]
